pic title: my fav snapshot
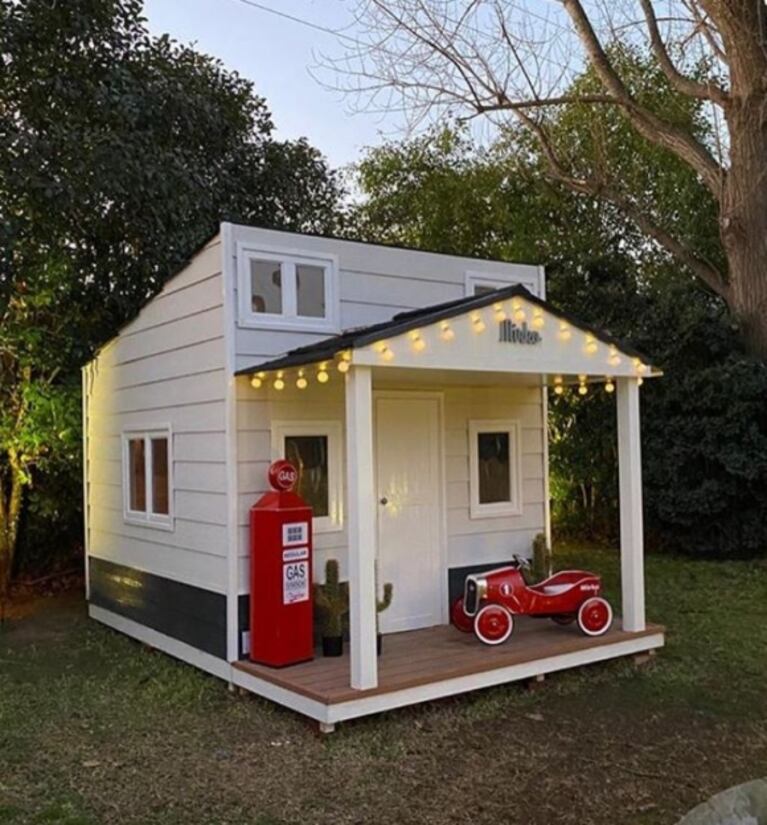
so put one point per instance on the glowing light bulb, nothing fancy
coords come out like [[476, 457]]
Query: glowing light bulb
[[614, 358], [419, 345], [322, 376], [500, 313], [538, 321], [301, 381], [640, 381], [343, 366], [279, 384], [520, 316], [479, 324], [559, 389], [582, 389], [565, 333], [386, 353], [609, 386], [447, 332], [591, 345], [256, 382]]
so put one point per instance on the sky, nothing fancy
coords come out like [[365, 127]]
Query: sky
[[277, 55]]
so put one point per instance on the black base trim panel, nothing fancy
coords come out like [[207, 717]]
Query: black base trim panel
[[190, 614]]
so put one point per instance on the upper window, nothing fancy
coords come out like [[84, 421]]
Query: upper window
[[147, 478], [287, 290], [314, 449], [495, 468], [478, 283]]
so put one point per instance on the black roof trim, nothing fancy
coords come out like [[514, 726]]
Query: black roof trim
[[328, 348]]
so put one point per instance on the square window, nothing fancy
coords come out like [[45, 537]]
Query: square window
[[310, 290], [266, 286], [495, 472], [314, 449], [284, 289], [136, 475]]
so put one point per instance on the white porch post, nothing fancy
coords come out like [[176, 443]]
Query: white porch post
[[362, 527], [630, 493]]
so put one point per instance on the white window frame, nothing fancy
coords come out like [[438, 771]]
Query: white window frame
[[497, 508], [159, 521], [288, 319], [331, 430], [475, 279]]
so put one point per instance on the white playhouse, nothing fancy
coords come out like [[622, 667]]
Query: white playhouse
[[411, 389]]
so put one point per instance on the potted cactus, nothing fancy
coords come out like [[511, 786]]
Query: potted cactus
[[331, 602], [381, 605]]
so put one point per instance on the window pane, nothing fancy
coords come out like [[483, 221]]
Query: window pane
[[136, 476], [160, 480], [266, 286], [310, 289], [309, 455], [494, 467]]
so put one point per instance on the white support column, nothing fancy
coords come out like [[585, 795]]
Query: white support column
[[361, 521], [630, 493]]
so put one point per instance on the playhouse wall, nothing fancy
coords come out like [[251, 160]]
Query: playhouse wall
[[375, 283], [472, 543], [165, 368]]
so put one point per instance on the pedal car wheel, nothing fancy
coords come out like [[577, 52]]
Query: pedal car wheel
[[595, 616], [564, 618], [460, 618], [493, 624]]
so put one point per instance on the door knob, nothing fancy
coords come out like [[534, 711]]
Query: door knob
[[384, 500]]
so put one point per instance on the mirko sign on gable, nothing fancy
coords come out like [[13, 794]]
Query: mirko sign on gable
[[510, 333]]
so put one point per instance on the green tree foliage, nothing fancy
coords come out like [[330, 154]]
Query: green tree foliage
[[705, 422], [120, 153]]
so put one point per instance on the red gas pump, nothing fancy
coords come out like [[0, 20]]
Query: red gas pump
[[281, 620]]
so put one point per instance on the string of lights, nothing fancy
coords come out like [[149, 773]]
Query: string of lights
[[516, 311]]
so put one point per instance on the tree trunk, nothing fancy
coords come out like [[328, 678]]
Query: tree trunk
[[743, 218], [10, 512]]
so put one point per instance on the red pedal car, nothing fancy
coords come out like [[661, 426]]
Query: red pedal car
[[491, 600]]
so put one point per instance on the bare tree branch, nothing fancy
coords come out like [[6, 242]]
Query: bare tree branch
[[649, 125], [599, 187], [683, 84]]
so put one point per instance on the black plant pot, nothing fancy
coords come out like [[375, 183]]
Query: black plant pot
[[332, 645], [379, 644]]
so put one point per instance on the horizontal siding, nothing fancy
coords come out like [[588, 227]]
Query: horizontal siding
[[198, 569], [166, 368], [375, 283], [486, 540]]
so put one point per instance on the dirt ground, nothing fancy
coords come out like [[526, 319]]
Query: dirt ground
[[95, 728]]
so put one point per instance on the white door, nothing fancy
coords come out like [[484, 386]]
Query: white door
[[409, 502]]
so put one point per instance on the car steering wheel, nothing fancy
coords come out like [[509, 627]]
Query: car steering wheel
[[520, 562]]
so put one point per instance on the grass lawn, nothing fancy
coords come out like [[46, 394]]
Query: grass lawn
[[95, 728]]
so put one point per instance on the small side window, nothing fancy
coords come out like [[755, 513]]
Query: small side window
[[286, 290], [147, 474], [495, 468], [314, 449]]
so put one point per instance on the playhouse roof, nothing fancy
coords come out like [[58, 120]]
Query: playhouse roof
[[403, 322]]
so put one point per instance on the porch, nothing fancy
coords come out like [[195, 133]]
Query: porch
[[415, 357], [427, 664]]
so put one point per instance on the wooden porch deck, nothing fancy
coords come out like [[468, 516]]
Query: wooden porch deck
[[440, 654]]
